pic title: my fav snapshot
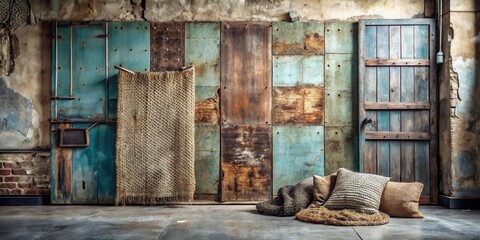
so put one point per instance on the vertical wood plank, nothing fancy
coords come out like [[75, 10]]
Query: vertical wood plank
[[61, 170], [433, 145], [407, 95], [167, 46], [84, 180], [246, 73], [395, 151], [383, 95], [298, 153], [246, 164], [370, 95]]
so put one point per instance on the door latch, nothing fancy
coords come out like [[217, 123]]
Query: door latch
[[367, 121]]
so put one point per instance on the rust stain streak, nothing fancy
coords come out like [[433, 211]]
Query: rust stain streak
[[207, 111], [63, 171], [298, 105]]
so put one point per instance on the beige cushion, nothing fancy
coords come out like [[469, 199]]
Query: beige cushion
[[357, 191], [400, 199], [322, 189]]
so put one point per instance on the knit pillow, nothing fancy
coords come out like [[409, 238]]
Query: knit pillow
[[322, 189], [400, 199], [357, 191]]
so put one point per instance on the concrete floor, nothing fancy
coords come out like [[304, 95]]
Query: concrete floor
[[216, 222]]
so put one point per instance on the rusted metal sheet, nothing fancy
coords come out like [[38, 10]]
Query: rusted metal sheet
[[298, 38], [341, 71], [61, 171], [298, 105], [206, 105], [342, 101], [206, 60], [128, 47], [341, 149], [246, 164], [207, 158], [246, 73], [298, 70], [298, 153], [167, 46], [341, 37]]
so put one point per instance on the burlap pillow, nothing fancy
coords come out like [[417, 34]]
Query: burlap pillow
[[357, 191], [400, 199], [322, 189]]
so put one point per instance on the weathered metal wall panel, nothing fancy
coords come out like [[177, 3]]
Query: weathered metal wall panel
[[339, 107], [298, 105], [128, 47], [207, 158], [341, 71], [202, 50], [167, 43], [298, 71], [341, 37], [298, 38], [341, 147], [298, 153], [246, 73], [246, 164], [88, 73]]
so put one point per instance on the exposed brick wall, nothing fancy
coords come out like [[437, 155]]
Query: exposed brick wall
[[25, 174]]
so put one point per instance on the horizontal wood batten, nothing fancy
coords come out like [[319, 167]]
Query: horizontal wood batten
[[397, 136], [397, 106], [396, 62]]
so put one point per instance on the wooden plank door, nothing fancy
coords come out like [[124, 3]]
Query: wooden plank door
[[246, 132], [397, 101]]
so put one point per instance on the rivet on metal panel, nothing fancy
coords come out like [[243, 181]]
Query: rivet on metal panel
[[121, 28], [59, 67], [328, 65], [338, 65], [145, 69], [145, 50], [131, 49], [138, 27], [328, 30], [116, 49], [81, 68], [83, 84], [100, 99]]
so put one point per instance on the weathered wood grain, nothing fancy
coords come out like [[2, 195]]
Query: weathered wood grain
[[298, 38], [246, 73], [386, 135], [397, 62], [246, 162], [396, 105], [61, 171], [167, 46], [298, 105]]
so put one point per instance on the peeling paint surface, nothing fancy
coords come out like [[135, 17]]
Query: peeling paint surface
[[15, 111]]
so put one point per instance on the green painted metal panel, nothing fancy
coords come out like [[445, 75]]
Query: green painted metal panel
[[207, 158], [298, 70], [298, 153], [202, 50], [341, 71], [341, 149], [88, 74], [298, 38], [128, 47], [341, 37], [339, 107]]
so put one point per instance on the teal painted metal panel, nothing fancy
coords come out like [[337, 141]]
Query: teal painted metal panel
[[88, 74], [341, 149], [202, 50], [345, 115], [129, 47], [298, 153], [105, 162], [84, 175], [341, 37], [63, 68], [298, 38], [298, 70], [207, 158], [341, 71]]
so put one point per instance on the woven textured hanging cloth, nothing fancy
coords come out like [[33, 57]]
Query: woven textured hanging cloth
[[155, 137]]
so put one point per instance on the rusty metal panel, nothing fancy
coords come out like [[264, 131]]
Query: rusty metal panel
[[298, 105], [298, 70], [341, 71], [246, 73], [129, 47], [341, 37], [298, 153], [61, 170], [298, 38], [202, 50], [206, 60], [341, 105], [167, 46], [206, 105], [207, 158], [246, 164], [341, 149]]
